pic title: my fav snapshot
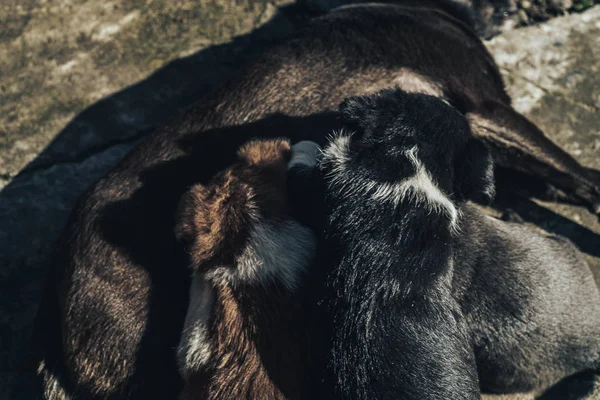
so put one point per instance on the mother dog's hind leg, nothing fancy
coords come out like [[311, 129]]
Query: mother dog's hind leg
[[518, 144]]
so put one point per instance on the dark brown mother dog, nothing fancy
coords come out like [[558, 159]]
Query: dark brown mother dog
[[111, 317]]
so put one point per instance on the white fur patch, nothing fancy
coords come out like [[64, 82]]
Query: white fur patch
[[490, 190], [274, 253], [277, 253], [420, 187], [336, 154], [194, 348]]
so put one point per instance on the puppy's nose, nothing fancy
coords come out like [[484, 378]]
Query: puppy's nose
[[305, 154]]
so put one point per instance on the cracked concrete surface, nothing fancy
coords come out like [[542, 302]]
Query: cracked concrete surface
[[82, 81]]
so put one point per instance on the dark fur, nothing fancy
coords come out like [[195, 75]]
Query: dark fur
[[411, 302], [487, 17], [116, 296], [255, 329]]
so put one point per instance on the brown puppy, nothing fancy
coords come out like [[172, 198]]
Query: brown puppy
[[244, 333], [117, 294]]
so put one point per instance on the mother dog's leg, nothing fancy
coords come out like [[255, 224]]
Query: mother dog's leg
[[518, 144]]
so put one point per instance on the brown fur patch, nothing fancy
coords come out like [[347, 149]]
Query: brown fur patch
[[266, 152], [215, 220]]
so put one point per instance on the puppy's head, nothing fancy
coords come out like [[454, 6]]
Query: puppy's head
[[407, 143], [215, 221]]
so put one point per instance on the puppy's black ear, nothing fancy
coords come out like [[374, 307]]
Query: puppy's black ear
[[367, 114], [359, 113], [474, 173]]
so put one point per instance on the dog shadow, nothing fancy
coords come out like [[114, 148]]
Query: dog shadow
[[581, 386]]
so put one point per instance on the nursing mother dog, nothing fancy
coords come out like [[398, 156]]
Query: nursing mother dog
[[112, 314]]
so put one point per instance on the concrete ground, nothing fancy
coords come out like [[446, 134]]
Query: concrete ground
[[82, 80]]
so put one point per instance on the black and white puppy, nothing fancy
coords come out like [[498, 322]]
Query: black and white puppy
[[426, 297]]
